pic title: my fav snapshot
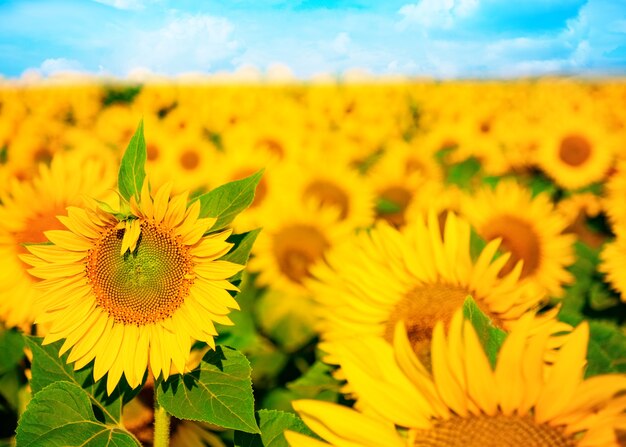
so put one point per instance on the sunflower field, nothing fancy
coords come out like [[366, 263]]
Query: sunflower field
[[375, 264]]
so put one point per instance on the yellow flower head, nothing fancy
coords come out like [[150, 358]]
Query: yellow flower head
[[463, 401], [134, 292]]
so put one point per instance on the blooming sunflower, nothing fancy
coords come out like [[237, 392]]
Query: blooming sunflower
[[530, 229], [30, 208], [135, 292], [577, 151], [464, 402], [419, 275], [613, 259]]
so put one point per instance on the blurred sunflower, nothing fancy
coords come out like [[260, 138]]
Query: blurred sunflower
[[464, 402], [295, 236], [419, 276], [614, 193], [613, 260], [577, 152], [530, 229], [29, 209], [134, 292]]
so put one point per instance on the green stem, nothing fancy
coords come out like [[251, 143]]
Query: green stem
[[161, 423]]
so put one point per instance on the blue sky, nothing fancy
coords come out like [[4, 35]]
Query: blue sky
[[434, 38]]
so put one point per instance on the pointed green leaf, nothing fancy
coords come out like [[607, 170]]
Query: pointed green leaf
[[11, 349], [132, 169], [240, 252], [48, 367], [61, 415], [228, 200], [219, 392], [490, 336], [273, 425]]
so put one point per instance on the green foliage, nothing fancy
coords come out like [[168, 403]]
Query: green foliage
[[48, 368], [317, 383], [386, 206], [490, 336], [463, 174], [287, 319], [132, 168], [219, 392], [273, 425], [122, 94], [228, 200], [11, 349], [240, 252], [61, 415], [589, 299]]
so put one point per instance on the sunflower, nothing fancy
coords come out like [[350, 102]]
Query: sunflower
[[577, 151], [530, 229], [464, 401], [613, 259], [134, 292], [419, 275], [29, 209], [295, 236], [614, 193]]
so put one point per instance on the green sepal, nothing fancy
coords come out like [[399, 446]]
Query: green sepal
[[490, 336], [132, 171], [273, 424], [218, 391], [61, 414], [386, 206], [226, 201]]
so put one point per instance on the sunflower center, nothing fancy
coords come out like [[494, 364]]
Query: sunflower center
[[35, 225], [574, 150], [296, 248], [492, 431], [144, 286], [420, 309], [152, 151], [189, 160], [327, 193], [400, 197], [518, 238]]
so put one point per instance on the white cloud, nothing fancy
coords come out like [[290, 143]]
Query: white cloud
[[51, 67], [124, 4], [183, 44], [437, 13]]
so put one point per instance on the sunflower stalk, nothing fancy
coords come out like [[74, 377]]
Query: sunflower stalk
[[161, 424]]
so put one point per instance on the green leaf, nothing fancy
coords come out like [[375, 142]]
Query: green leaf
[[607, 349], [317, 383], [386, 206], [132, 168], [287, 318], [61, 415], [11, 349], [240, 252], [228, 200], [219, 392], [273, 425], [48, 368], [463, 173], [120, 94], [490, 336]]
